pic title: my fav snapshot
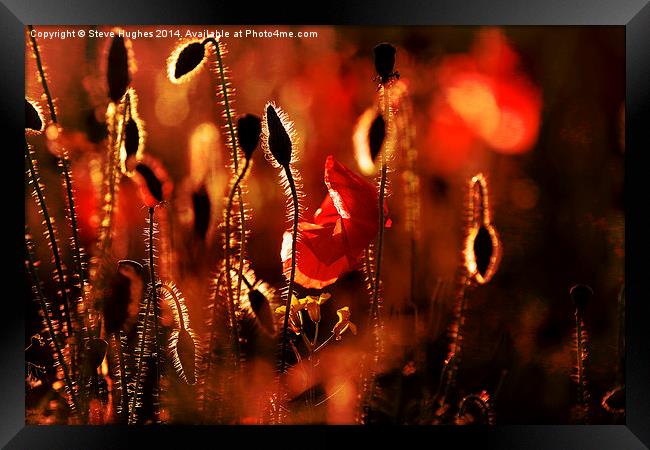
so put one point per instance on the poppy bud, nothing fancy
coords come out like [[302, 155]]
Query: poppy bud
[[249, 128], [384, 60], [483, 249], [33, 120], [580, 295], [118, 69], [262, 309], [279, 141], [131, 137], [152, 187], [189, 58], [376, 135]]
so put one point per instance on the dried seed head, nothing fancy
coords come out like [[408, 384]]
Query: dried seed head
[[33, 119], [184, 61], [152, 187], [201, 206], [376, 135], [384, 60], [249, 128], [580, 295], [278, 136], [117, 71]]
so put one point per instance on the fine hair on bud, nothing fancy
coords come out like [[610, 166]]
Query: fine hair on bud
[[279, 140]]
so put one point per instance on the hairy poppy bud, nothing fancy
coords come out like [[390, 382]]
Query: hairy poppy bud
[[33, 120], [580, 295], [376, 135], [189, 58], [483, 249], [152, 187], [118, 69], [384, 60], [249, 128], [131, 137], [279, 141]]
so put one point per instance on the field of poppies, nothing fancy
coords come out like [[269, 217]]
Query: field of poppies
[[366, 225]]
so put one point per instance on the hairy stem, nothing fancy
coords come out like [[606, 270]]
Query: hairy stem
[[234, 331], [47, 315], [235, 158], [33, 172], [138, 375], [156, 312], [294, 239]]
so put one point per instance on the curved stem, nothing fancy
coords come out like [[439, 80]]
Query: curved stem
[[231, 300], [33, 172], [294, 238], [235, 159]]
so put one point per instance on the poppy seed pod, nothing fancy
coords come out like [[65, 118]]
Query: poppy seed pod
[[376, 135], [189, 58], [279, 141], [384, 60], [580, 295], [118, 69], [249, 128], [33, 120]]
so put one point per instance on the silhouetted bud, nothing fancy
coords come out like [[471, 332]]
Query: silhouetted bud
[[33, 120], [384, 60], [118, 69], [186, 350], [483, 249], [152, 187], [279, 140], [580, 295], [249, 128], [131, 137], [189, 59]]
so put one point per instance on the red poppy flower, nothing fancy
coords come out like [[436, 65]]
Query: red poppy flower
[[342, 228]]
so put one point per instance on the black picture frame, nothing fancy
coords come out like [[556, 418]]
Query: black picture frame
[[634, 15]]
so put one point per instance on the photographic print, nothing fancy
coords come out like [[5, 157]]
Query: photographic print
[[324, 225]]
